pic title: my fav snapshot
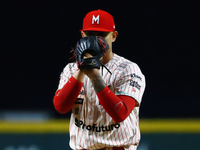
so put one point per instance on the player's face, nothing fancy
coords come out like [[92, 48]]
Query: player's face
[[110, 38]]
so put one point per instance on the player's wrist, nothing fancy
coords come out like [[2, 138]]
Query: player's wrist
[[91, 73], [79, 76], [98, 83]]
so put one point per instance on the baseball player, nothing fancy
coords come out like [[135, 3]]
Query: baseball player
[[103, 90]]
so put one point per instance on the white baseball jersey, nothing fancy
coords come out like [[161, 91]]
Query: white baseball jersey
[[90, 126]]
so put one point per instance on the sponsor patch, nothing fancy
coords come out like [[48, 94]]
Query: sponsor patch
[[135, 84], [102, 128], [133, 75]]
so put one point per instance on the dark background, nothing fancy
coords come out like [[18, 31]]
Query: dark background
[[161, 37]]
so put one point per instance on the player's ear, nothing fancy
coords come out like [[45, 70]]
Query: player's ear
[[83, 34], [114, 36]]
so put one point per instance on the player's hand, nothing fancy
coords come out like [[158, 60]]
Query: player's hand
[[79, 74], [90, 72], [94, 48]]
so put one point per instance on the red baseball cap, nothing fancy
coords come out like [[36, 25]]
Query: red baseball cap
[[98, 20]]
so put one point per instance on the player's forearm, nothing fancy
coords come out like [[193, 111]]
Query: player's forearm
[[96, 79], [98, 83], [118, 107], [64, 98]]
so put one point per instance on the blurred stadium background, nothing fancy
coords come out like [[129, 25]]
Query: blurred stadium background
[[161, 37]]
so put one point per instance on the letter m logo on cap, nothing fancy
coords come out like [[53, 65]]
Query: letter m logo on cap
[[95, 19]]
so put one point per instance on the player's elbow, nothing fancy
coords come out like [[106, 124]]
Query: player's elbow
[[119, 119], [60, 109], [58, 106]]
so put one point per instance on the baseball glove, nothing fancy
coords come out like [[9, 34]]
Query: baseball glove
[[94, 45]]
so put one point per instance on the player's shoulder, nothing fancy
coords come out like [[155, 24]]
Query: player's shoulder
[[125, 67], [124, 63]]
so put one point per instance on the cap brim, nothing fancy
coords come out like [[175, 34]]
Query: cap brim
[[97, 29]]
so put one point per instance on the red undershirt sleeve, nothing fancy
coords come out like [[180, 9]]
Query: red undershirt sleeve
[[118, 107], [64, 98]]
